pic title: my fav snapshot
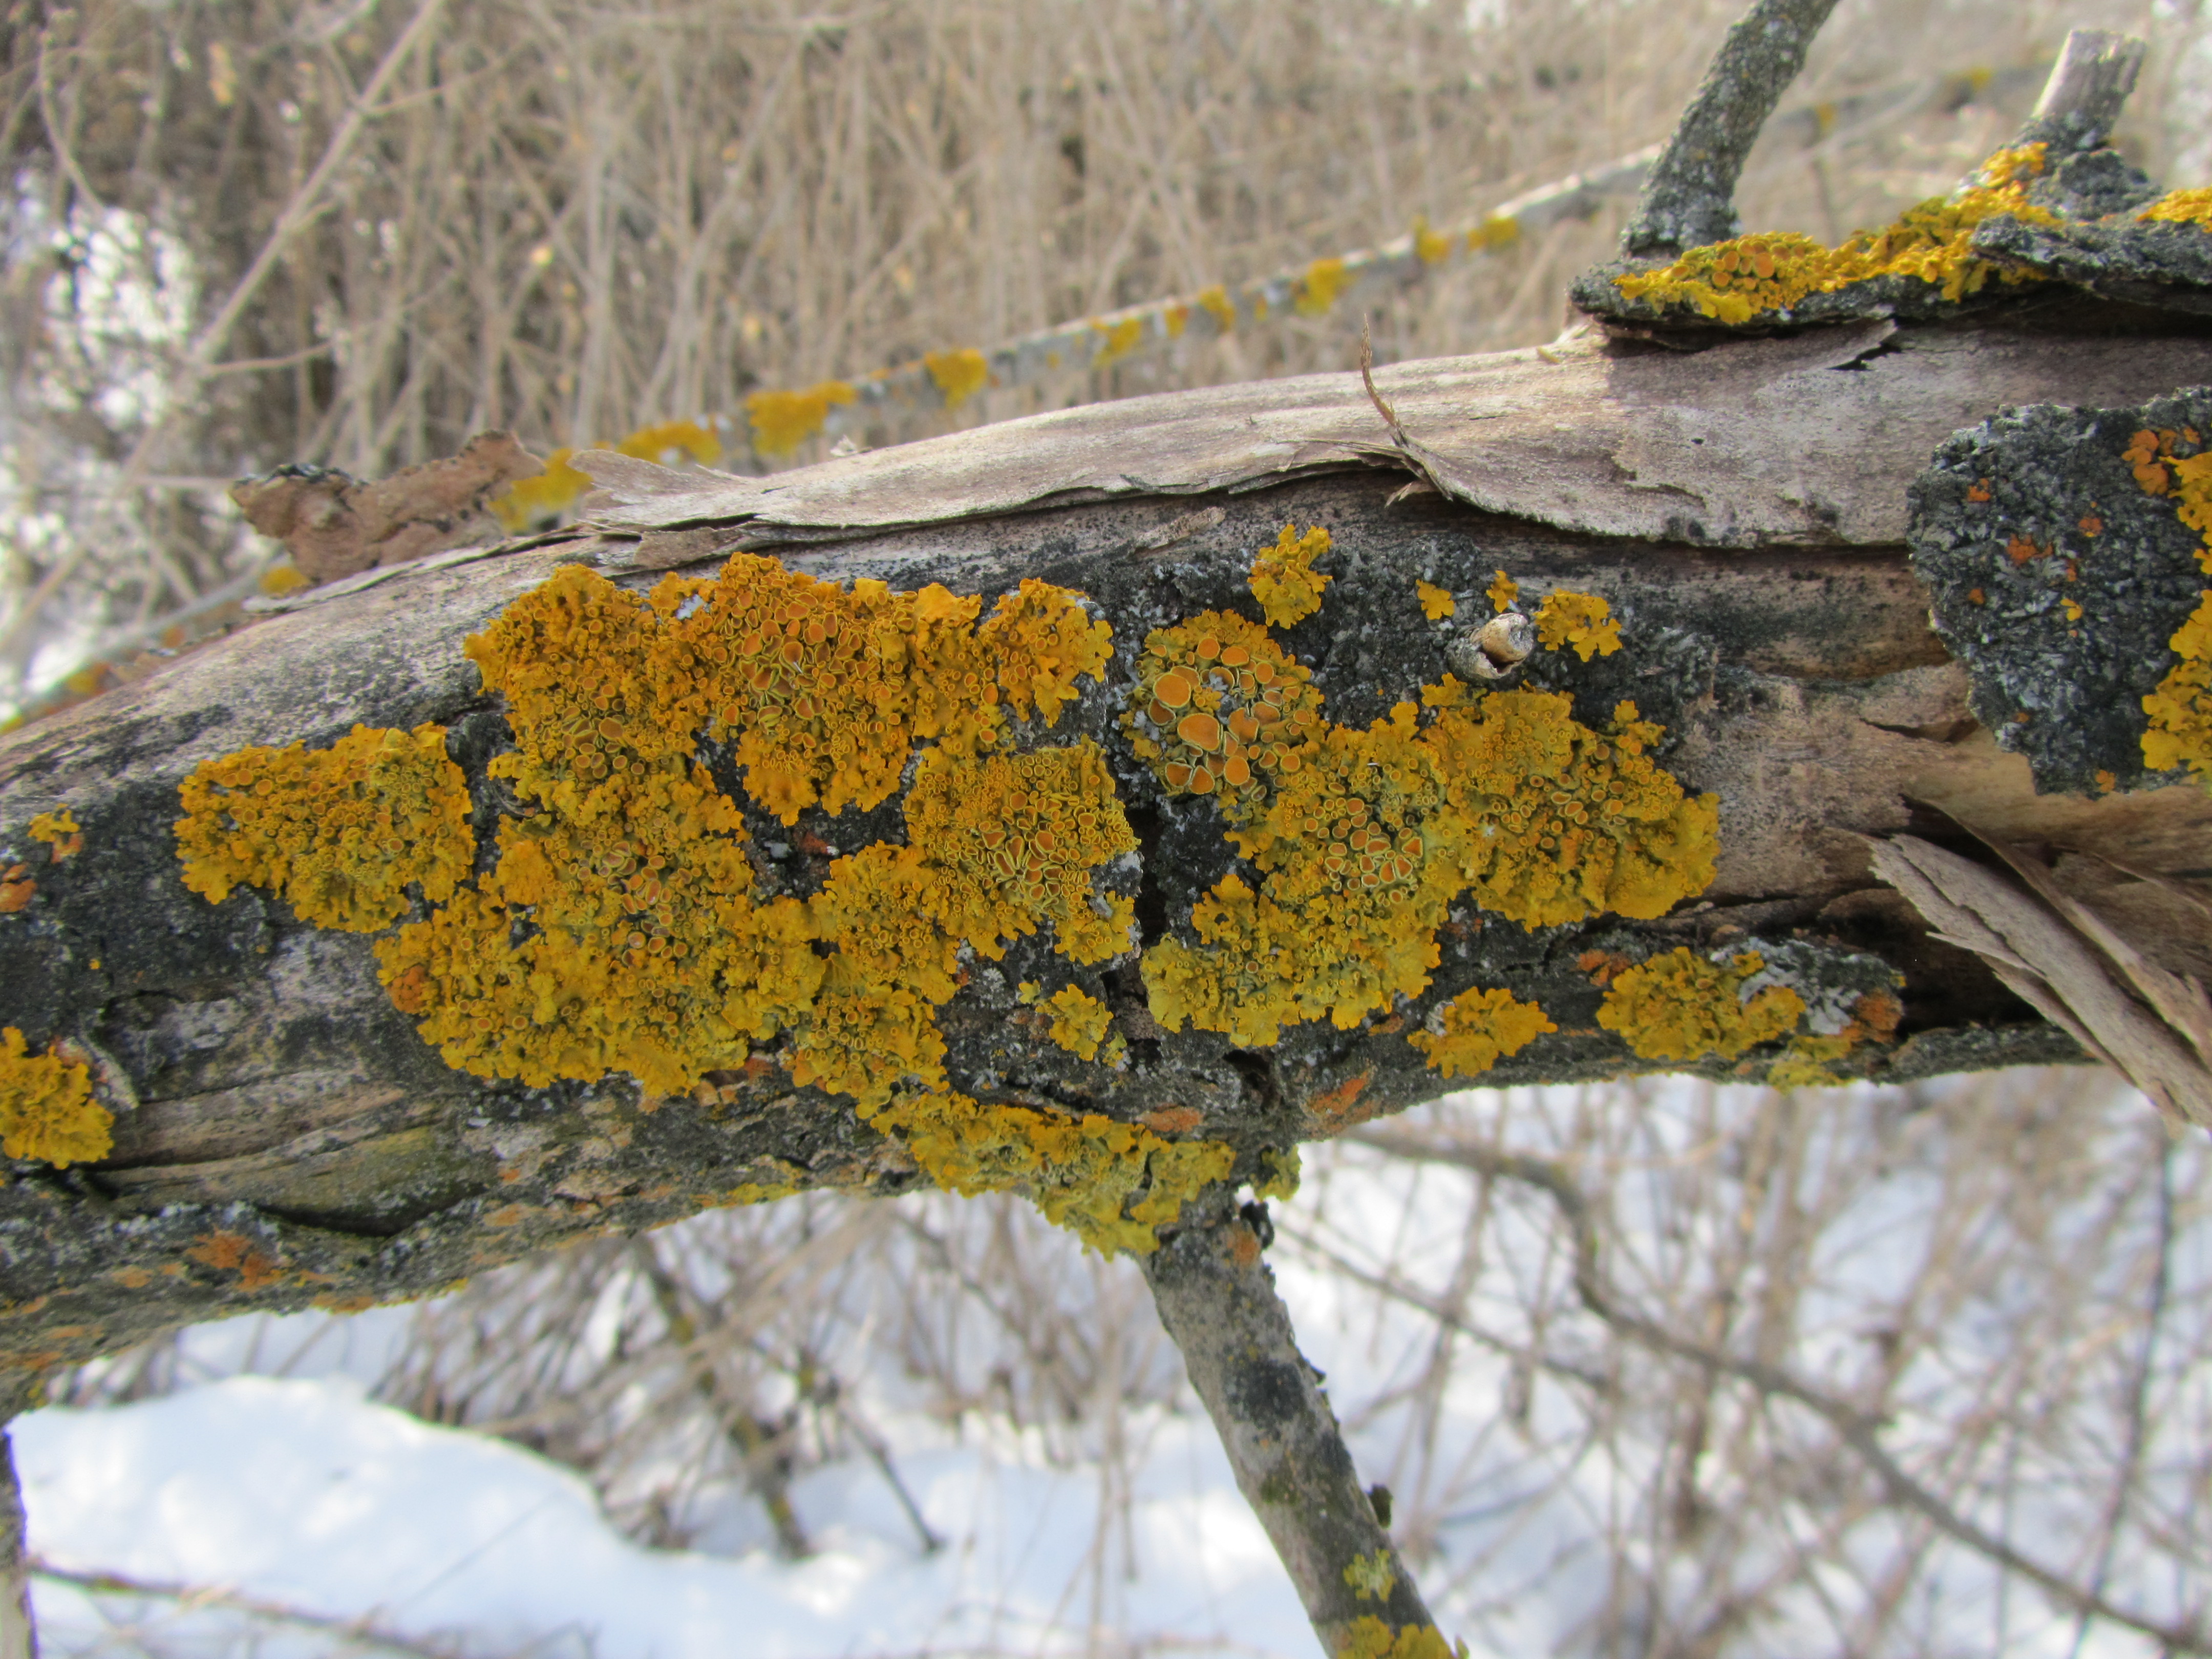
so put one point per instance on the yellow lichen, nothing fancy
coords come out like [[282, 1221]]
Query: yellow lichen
[[1283, 1167], [959, 374], [1370, 1638], [46, 1108], [1503, 591], [1371, 1576], [2181, 207], [1770, 272], [1436, 603], [1499, 230], [341, 833], [1283, 577], [1318, 289], [667, 440], [1118, 339], [1685, 1006], [2179, 732], [1111, 1182], [1429, 247], [1364, 839], [1477, 1029], [1215, 302], [60, 833], [781, 421], [1079, 1022], [282, 579], [621, 928], [549, 493], [1805, 1064], [1581, 620]]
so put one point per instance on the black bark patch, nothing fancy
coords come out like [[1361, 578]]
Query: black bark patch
[[2022, 518]]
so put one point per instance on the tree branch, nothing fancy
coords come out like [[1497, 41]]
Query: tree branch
[[1216, 1296], [1689, 200]]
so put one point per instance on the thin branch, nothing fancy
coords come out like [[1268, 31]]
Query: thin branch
[[195, 1596], [1217, 1298], [1689, 200], [1858, 1429]]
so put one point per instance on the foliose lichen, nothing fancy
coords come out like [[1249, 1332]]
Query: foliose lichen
[[621, 928], [1362, 839], [46, 1108], [1370, 1638], [1283, 577], [1770, 273], [1476, 1028], [1685, 1006]]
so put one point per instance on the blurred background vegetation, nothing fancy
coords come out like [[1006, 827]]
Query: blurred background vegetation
[[242, 233]]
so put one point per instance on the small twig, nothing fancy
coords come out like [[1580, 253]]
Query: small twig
[[1218, 1300], [195, 1596], [2088, 88], [1857, 1428], [1367, 379], [1689, 200]]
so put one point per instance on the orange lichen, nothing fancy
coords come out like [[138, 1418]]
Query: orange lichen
[[1685, 1006], [1219, 707], [46, 1108], [959, 374], [1079, 1021], [1768, 272], [1436, 603], [1503, 591], [229, 1252], [17, 889], [1363, 844], [341, 833], [1318, 289], [1582, 621], [1283, 577], [1477, 1029], [2179, 732], [60, 833], [781, 421]]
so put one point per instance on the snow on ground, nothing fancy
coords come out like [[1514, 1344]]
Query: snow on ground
[[301, 1493]]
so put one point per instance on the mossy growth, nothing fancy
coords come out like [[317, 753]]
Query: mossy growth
[[46, 1108], [1284, 580], [1477, 1029], [1363, 840], [1685, 1006], [2173, 462], [1767, 273], [621, 928], [341, 833]]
